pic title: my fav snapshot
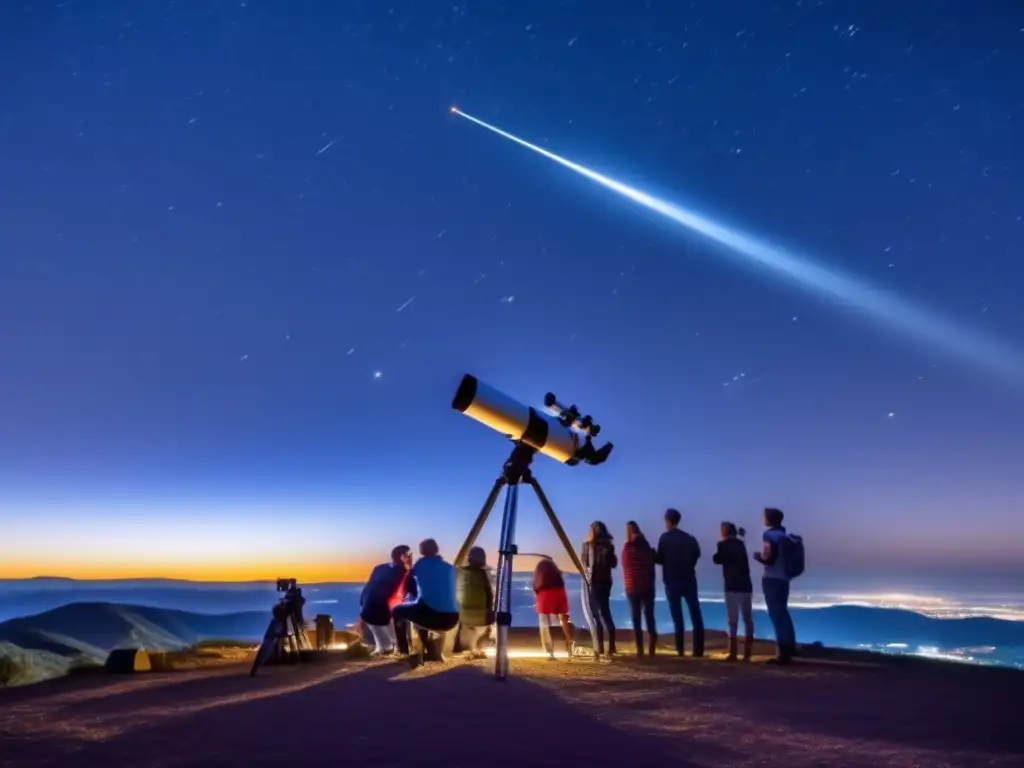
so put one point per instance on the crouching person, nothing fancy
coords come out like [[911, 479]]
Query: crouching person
[[435, 609], [385, 589], [475, 595]]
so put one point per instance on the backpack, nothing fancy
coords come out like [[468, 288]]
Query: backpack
[[791, 548]]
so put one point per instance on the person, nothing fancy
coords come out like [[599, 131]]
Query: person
[[677, 554], [775, 583], [475, 594], [435, 609], [598, 558], [385, 589], [732, 556], [552, 604], [638, 575]]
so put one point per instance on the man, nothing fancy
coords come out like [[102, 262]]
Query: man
[[775, 583], [388, 585], [436, 609], [677, 554]]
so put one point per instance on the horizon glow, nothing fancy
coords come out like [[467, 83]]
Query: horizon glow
[[883, 306]]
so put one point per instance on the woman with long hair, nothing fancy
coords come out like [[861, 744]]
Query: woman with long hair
[[638, 575], [598, 558], [739, 591], [552, 605]]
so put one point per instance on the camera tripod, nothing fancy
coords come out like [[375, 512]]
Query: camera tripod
[[516, 472], [285, 634]]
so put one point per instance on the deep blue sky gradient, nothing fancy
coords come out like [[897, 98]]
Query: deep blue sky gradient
[[196, 296]]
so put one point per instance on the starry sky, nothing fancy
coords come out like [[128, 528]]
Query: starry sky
[[246, 254]]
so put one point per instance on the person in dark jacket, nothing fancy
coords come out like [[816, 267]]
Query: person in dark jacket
[[552, 604], [732, 556], [638, 576], [678, 553], [598, 558], [388, 585]]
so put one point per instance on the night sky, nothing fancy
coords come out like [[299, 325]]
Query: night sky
[[246, 254]]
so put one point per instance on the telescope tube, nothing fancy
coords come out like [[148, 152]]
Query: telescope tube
[[516, 421]]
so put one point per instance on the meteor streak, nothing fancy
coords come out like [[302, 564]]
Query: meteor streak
[[882, 306]]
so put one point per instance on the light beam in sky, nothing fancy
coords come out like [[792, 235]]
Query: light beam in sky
[[883, 306]]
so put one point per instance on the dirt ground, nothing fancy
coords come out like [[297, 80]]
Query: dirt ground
[[837, 710]]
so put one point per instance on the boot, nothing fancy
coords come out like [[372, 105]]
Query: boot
[[783, 655], [640, 644], [748, 647], [430, 650], [653, 648], [732, 650], [611, 645]]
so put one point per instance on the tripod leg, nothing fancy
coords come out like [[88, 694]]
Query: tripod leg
[[266, 649], [588, 613], [503, 612], [478, 524]]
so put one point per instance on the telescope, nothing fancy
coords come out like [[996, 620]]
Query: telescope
[[561, 434], [556, 434]]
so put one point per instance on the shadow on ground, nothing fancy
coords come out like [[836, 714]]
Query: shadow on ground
[[458, 716]]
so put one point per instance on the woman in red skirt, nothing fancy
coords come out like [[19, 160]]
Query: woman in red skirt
[[552, 604]]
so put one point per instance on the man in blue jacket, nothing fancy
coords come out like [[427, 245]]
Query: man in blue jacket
[[435, 610], [677, 554]]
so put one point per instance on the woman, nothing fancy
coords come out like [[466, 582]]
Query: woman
[[552, 604], [732, 556], [598, 557], [638, 575]]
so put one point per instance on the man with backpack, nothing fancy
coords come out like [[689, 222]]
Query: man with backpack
[[782, 556]]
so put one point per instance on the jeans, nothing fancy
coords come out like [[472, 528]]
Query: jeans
[[776, 598], [737, 603], [601, 607], [675, 596], [425, 620], [643, 604]]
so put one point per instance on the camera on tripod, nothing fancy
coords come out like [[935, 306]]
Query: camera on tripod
[[286, 633]]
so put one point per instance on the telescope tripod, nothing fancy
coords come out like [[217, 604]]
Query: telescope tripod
[[516, 472]]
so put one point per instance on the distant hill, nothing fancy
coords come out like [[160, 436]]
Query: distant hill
[[92, 630]]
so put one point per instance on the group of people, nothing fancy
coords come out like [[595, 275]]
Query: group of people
[[678, 552], [431, 597]]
